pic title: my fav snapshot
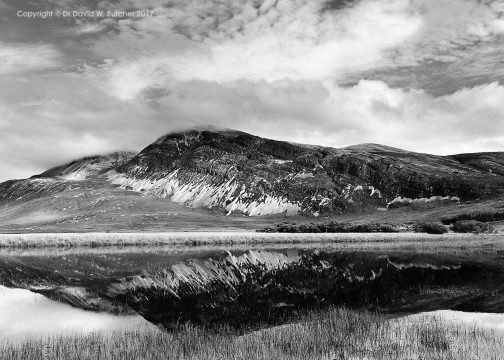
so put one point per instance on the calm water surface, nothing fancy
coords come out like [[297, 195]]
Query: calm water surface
[[47, 291]]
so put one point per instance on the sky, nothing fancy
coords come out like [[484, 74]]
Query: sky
[[422, 75]]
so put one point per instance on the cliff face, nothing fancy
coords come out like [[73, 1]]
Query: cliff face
[[233, 172]]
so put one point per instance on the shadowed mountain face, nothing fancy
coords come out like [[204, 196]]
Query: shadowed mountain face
[[235, 173]]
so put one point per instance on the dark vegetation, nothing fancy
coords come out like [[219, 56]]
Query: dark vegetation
[[343, 227], [472, 226], [485, 216], [430, 228], [332, 227], [458, 226]]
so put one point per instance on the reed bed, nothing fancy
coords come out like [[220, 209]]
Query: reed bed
[[337, 333], [342, 241], [183, 238]]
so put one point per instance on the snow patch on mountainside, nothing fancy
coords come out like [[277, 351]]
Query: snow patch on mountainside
[[229, 195], [304, 175], [405, 200], [351, 190], [281, 162]]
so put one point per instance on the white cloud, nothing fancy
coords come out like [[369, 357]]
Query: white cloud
[[466, 121], [267, 67], [225, 41], [86, 120], [449, 28], [16, 58], [234, 40], [87, 28]]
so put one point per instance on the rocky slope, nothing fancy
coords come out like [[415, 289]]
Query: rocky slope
[[236, 173], [240, 172]]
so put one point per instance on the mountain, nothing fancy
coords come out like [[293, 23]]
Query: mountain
[[185, 179]]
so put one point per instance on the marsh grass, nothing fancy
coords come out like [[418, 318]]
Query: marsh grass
[[337, 333], [199, 239], [195, 239]]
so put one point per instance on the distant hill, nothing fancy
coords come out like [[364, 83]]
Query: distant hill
[[211, 178]]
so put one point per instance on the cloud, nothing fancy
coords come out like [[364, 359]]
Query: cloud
[[49, 120], [425, 44], [448, 31], [464, 121], [456, 46], [86, 120], [420, 75], [322, 113], [16, 58], [272, 40], [87, 28]]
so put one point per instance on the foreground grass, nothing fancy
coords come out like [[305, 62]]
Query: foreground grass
[[331, 334]]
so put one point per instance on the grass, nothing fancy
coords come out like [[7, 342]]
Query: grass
[[97, 240], [337, 333], [49, 244]]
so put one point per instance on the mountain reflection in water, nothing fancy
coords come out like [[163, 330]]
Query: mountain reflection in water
[[251, 289]]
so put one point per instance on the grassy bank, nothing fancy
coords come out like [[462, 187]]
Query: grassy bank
[[96, 240], [100, 243], [331, 334]]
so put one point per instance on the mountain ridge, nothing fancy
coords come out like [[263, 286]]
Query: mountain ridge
[[232, 172]]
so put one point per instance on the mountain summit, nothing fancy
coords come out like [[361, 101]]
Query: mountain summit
[[232, 172]]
